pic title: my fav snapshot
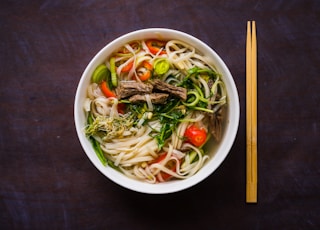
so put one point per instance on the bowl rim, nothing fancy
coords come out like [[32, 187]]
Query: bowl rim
[[225, 145]]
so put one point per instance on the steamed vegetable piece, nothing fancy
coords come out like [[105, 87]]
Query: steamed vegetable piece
[[156, 46], [161, 66], [127, 67], [101, 76], [197, 136], [114, 78], [144, 72], [152, 107], [105, 89], [101, 73]]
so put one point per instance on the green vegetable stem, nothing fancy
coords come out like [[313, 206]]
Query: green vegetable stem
[[114, 79], [98, 151]]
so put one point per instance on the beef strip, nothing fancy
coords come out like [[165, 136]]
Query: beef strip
[[210, 83], [215, 122], [129, 88], [156, 98], [171, 89]]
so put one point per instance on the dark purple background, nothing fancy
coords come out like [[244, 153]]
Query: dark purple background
[[46, 180]]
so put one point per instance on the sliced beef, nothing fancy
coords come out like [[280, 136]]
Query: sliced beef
[[210, 83], [156, 98], [171, 89], [215, 122], [129, 88]]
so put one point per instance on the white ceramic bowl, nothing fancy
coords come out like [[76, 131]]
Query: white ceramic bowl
[[217, 155]]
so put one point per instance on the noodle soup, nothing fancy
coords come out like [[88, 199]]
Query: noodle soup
[[156, 109]]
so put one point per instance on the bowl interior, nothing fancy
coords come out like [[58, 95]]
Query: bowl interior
[[217, 152]]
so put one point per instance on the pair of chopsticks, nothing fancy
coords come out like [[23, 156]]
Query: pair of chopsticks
[[251, 109]]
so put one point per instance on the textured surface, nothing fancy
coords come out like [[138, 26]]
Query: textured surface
[[46, 180]]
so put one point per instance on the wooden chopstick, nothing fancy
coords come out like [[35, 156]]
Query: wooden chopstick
[[251, 109]]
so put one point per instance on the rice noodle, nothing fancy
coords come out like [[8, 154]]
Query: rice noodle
[[94, 91], [149, 103]]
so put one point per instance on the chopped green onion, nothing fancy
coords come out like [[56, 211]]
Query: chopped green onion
[[161, 66]]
